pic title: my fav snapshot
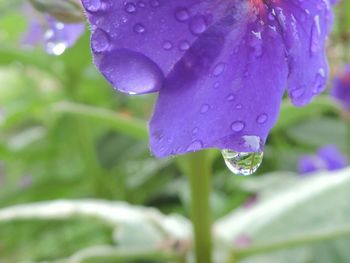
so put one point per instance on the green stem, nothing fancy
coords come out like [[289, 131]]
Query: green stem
[[198, 167], [200, 184], [310, 238]]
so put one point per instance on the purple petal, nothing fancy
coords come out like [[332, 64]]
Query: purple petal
[[54, 35], [221, 66], [327, 158], [60, 36], [341, 89], [227, 89], [332, 157], [34, 34], [309, 164], [305, 26], [135, 44]]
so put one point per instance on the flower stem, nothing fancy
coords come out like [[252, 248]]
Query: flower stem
[[198, 167]]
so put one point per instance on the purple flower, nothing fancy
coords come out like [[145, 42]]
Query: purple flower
[[341, 89], [221, 66], [54, 35], [327, 158], [243, 241]]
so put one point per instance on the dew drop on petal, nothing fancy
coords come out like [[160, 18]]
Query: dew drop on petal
[[184, 45], [198, 25], [237, 126], [130, 8], [261, 119], [139, 28], [100, 41], [92, 5], [242, 163], [182, 15]]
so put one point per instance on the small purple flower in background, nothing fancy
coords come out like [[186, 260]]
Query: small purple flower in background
[[341, 88], [251, 201], [54, 35], [242, 241], [327, 158], [221, 67]]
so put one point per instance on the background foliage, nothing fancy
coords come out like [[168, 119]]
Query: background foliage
[[66, 134]]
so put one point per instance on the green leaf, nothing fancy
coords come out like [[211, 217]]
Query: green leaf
[[290, 114], [68, 11], [295, 221], [126, 125], [139, 232], [319, 132]]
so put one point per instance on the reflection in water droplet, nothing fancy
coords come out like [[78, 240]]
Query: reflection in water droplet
[[242, 163]]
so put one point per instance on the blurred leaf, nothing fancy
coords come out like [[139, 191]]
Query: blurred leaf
[[126, 125], [290, 114], [312, 211], [136, 229], [319, 132], [68, 11]]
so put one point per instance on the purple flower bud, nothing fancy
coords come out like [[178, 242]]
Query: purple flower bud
[[221, 67], [327, 158], [54, 35], [341, 88]]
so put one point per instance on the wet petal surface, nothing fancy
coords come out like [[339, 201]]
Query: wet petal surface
[[226, 91], [154, 34]]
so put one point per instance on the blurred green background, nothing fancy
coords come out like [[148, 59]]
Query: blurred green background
[[66, 134]]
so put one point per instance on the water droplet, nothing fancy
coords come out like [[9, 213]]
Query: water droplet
[[239, 106], [315, 43], [99, 41], [237, 126], [130, 8], [243, 163], [182, 15], [297, 93], [167, 45], [121, 67], [230, 97], [92, 5], [141, 4], [261, 119], [184, 45], [139, 28], [205, 108], [219, 69], [198, 25], [154, 3]]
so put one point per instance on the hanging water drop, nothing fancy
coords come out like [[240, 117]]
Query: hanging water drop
[[242, 163]]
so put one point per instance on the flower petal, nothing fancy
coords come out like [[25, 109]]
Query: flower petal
[[334, 159], [136, 43], [305, 26], [227, 89], [60, 36], [341, 88]]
